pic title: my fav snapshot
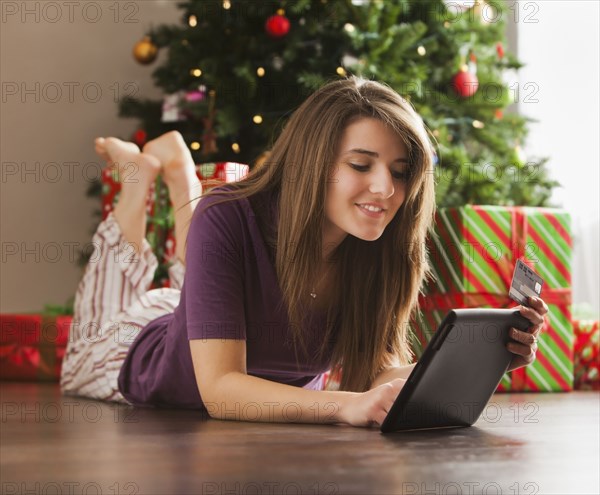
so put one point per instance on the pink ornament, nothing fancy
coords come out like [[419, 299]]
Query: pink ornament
[[193, 96]]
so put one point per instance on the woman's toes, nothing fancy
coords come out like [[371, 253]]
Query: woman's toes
[[132, 166], [100, 148], [116, 146]]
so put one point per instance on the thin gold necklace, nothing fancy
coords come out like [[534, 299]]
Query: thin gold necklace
[[313, 293]]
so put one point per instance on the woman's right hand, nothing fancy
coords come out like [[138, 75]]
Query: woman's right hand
[[370, 408]]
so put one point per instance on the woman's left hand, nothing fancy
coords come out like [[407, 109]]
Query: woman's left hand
[[524, 344]]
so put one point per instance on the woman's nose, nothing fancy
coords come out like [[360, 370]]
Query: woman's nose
[[382, 182]]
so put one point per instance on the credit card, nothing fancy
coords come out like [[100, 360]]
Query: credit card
[[525, 283]]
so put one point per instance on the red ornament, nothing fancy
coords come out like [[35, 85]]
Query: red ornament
[[140, 137], [500, 50], [465, 83], [499, 114], [277, 26]]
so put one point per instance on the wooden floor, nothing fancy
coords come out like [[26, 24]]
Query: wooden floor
[[522, 445]]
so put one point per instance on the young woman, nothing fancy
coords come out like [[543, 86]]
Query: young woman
[[313, 262]]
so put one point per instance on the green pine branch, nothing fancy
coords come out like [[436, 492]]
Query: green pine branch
[[417, 47]]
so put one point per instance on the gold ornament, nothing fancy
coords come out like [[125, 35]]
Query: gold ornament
[[484, 12], [145, 51]]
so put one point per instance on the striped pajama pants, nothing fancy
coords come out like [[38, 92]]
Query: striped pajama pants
[[112, 305]]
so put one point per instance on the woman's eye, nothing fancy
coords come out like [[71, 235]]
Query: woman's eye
[[400, 175], [360, 168], [365, 168]]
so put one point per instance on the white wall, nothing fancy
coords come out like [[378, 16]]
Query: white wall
[[85, 46], [559, 43]]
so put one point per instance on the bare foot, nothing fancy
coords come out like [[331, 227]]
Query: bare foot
[[178, 167], [137, 172], [133, 167]]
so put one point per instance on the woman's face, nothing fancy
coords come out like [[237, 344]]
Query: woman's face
[[368, 183]]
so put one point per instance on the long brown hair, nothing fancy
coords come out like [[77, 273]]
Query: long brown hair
[[377, 283]]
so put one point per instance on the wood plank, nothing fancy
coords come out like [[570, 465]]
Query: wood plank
[[522, 444]]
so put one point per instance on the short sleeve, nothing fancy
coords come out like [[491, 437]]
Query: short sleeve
[[214, 279]]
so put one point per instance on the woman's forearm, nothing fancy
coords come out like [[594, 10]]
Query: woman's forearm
[[238, 396], [392, 373]]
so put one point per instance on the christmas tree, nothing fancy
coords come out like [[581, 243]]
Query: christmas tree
[[236, 69]]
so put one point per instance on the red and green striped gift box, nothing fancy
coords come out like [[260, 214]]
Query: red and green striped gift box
[[473, 259]]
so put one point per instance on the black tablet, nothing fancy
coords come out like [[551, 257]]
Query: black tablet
[[458, 372]]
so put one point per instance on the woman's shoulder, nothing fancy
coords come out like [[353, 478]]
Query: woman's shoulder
[[263, 203], [223, 210], [222, 200]]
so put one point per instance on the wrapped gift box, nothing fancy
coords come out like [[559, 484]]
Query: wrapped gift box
[[111, 189], [160, 227], [210, 174], [32, 346], [587, 358], [473, 259]]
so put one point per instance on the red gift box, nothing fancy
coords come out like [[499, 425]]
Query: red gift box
[[210, 175], [32, 346]]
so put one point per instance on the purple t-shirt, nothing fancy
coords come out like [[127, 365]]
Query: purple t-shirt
[[230, 291]]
